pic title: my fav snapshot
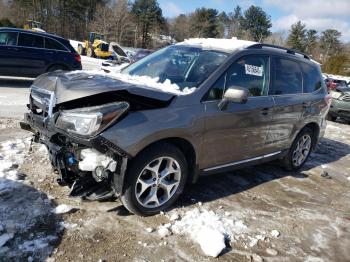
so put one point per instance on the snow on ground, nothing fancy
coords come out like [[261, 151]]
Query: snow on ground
[[75, 44], [90, 63], [208, 229], [27, 227]]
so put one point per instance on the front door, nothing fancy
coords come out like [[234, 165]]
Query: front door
[[9, 61], [32, 54], [240, 131]]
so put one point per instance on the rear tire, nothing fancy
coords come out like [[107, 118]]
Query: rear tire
[[154, 179], [300, 150]]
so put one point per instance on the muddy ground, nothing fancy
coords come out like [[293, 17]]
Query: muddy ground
[[310, 210]]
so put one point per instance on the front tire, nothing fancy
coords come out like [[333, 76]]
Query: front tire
[[300, 150], [329, 117], [154, 179]]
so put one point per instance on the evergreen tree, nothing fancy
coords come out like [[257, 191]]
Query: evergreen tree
[[297, 36], [257, 23], [330, 42], [205, 23], [311, 40], [148, 15]]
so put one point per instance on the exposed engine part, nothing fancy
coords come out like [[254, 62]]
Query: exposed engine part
[[87, 188], [99, 164]]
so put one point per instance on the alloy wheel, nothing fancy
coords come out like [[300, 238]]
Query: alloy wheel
[[302, 150], [158, 182]]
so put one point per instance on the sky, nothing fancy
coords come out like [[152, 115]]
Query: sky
[[316, 14]]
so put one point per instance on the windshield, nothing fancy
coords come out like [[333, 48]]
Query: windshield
[[182, 65]]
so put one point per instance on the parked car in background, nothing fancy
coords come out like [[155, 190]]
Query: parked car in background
[[118, 54], [140, 54], [340, 106], [195, 108], [332, 84], [29, 54]]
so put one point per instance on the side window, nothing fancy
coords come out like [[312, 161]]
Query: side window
[[30, 40], [53, 44], [251, 72], [287, 78], [312, 78], [216, 92], [8, 38]]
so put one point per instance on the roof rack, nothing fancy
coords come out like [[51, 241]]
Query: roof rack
[[288, 50]]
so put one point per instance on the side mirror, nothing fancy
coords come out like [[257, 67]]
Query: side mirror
[[235, 95]]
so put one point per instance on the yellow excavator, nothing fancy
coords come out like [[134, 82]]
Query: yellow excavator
[[33, 25], [95, 46]]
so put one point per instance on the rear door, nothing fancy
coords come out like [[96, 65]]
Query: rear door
[[287, 92], [240, 131], [33, 57], [9, 59]]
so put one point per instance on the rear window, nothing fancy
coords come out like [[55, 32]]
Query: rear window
[[119, 51], [53, 44], [287, 78], [30, 40], [8, 38], [312, 78]]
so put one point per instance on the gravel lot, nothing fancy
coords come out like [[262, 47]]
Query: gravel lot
[[275, 215]]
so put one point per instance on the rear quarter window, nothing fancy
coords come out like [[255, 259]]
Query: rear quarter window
[[312, 78], [287, 77], [30, 40], [53, 44]]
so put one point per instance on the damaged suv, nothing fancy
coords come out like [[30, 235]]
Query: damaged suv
[[199, 107]]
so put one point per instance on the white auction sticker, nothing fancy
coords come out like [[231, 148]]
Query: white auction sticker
[[253, 70]]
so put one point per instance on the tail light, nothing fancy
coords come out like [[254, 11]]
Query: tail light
[[328, 100], [77, 58]]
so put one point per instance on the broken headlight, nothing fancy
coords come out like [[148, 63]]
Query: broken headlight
[[89, 121]]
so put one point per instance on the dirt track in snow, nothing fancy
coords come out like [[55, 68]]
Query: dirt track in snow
[[311, 212]]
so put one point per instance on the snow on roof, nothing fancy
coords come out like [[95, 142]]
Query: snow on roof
[[225, 45]]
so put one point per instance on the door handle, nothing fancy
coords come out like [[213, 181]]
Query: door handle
[[265, 111], [13, 48]]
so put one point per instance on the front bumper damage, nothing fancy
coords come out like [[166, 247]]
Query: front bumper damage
[[93, 168]]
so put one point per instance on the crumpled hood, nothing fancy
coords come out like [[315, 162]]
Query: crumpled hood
[[75, 85]]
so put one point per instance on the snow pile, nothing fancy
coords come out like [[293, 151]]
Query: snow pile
[[90, 63], [225, 45], [147, 81], [75, 44], [208, 229], [211, 241], [5, 237], [27, 227], [11, 156], [62, 209]]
